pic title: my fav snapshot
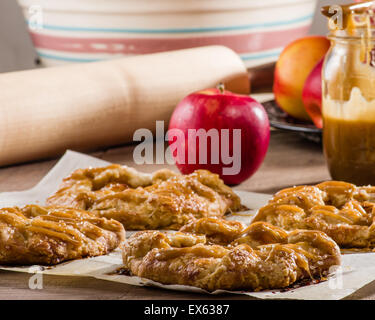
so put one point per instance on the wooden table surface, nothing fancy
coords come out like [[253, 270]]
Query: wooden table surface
[[290, 160]]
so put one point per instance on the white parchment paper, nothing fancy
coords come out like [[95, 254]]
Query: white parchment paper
[[357, 270]]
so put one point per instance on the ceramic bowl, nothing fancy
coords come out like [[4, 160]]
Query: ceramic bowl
[[88, 30]]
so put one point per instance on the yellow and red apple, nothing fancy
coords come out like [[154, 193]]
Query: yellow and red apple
[[295, 64]]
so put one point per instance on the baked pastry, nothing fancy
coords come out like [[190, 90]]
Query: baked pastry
[[342, 210], [143, 201], [216, 231], [261, 257], [50, 235]]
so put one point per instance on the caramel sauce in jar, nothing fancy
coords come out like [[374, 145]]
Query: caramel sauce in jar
[[349, 95], [350, 150]]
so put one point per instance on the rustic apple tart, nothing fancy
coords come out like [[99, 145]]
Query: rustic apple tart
[[141, 201], [258, 257], [50, 235], [342, 210]]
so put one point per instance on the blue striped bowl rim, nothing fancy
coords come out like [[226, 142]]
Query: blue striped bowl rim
[[178, 30]]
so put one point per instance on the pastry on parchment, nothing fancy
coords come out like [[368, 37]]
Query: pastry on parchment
[[141, 201], [261, 257], [50, 235], [342, 210]]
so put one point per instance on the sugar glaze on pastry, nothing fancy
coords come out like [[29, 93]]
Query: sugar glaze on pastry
[[260, 257], [50, 235], [143, 201], [342, 210]]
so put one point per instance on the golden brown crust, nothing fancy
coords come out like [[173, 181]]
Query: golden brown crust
[[250, 262], [217, 231], [140, 201], [50, 235], [342, 210]]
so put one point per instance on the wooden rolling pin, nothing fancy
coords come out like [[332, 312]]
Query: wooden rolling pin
[[261, 77], [87, 106]]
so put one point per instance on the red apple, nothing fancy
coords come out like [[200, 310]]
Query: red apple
[[239, 115], [312, 94]]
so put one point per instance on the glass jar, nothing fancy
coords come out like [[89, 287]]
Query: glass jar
[[348, 104]]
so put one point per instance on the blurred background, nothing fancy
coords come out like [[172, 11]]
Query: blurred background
[[17, 52]]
